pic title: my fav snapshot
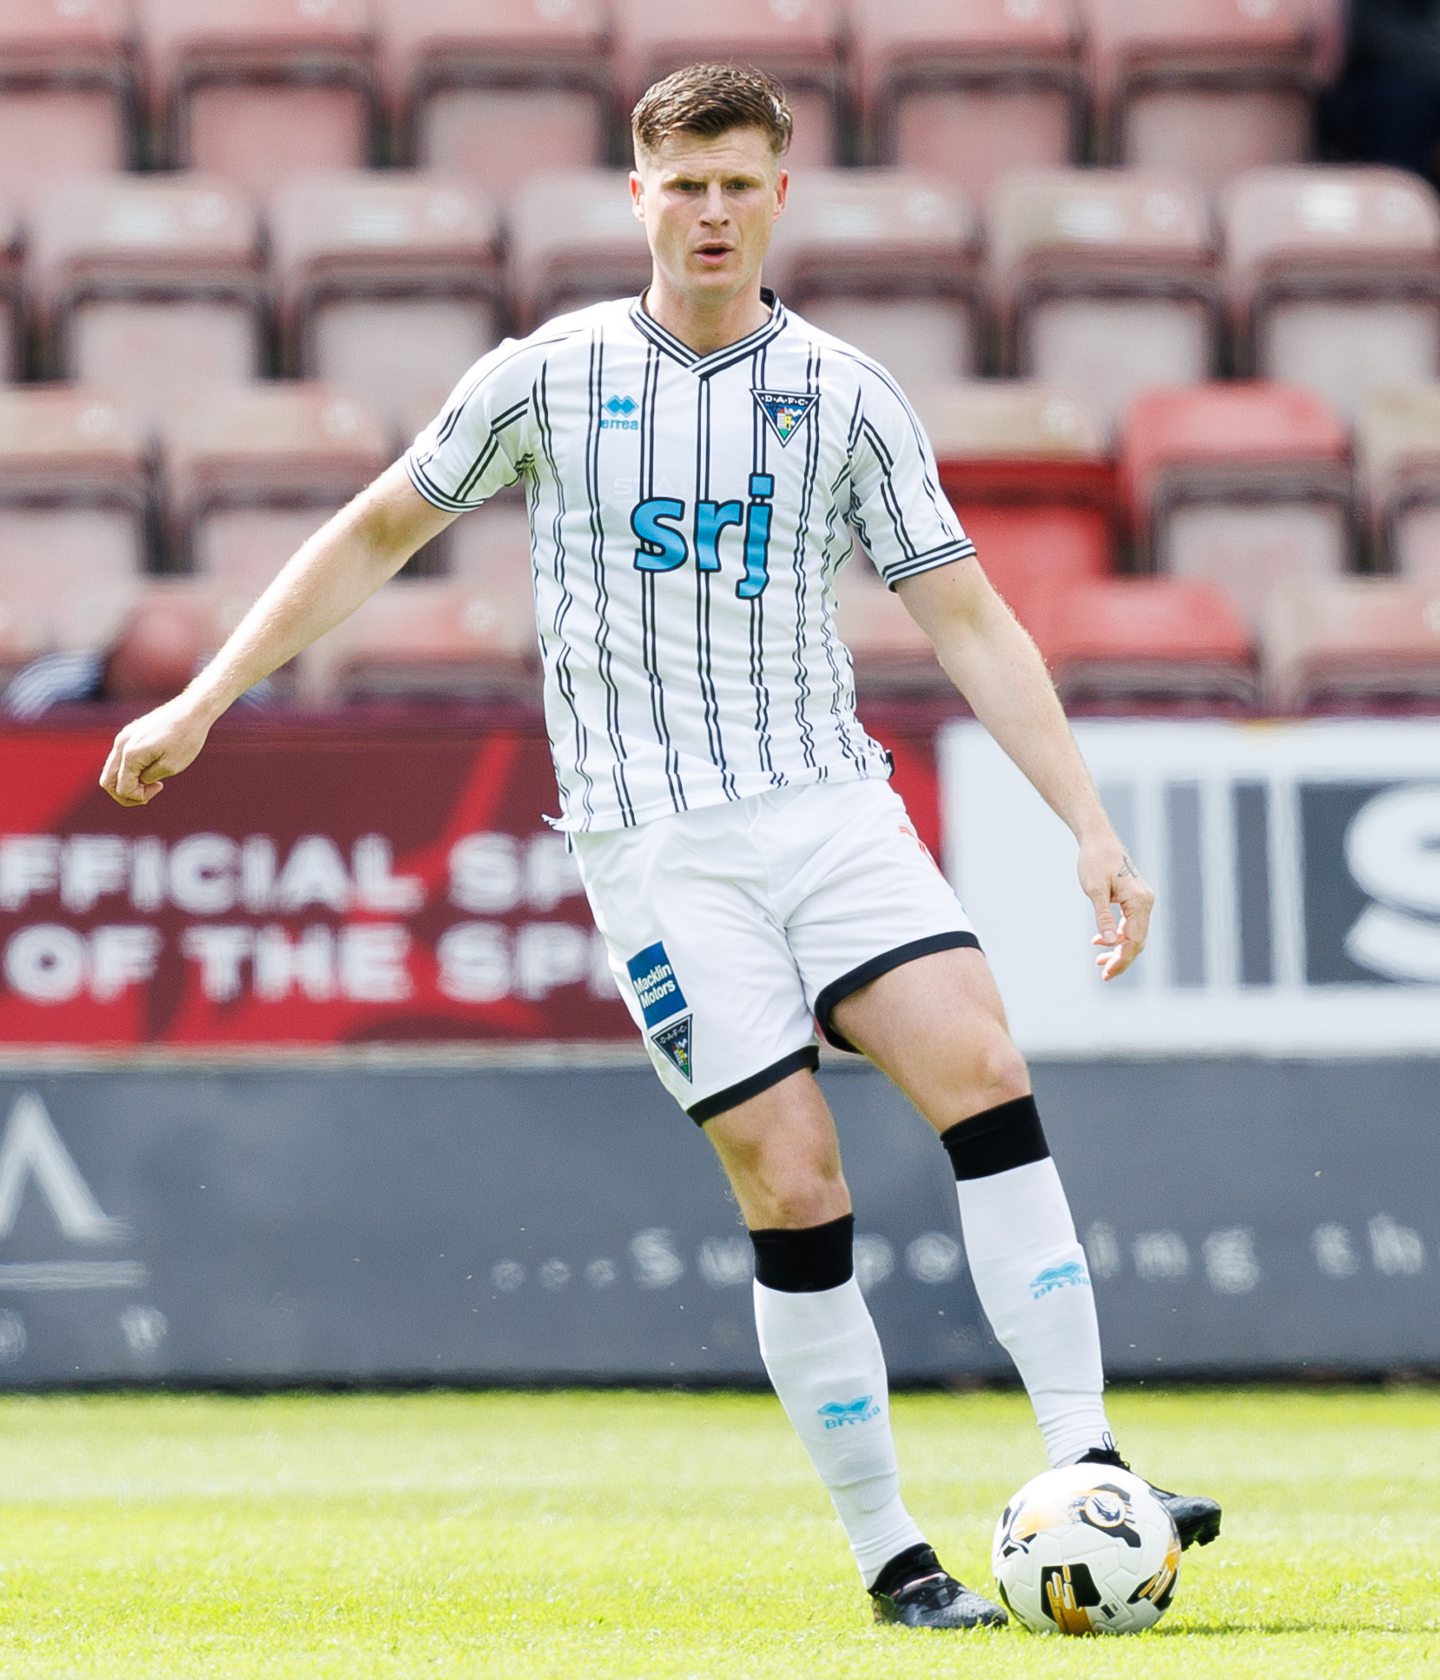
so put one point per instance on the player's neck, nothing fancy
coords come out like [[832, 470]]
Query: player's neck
[[708, 326]]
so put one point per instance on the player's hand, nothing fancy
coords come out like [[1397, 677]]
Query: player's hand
[[1109, 880], [159, 744]]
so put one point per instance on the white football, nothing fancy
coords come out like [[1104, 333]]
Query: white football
[[1086, 1549]]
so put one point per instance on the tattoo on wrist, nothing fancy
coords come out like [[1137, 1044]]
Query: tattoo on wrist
[[1126, 868]]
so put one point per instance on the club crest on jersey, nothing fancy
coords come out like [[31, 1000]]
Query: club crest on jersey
[[785, 412], [673, 1043]]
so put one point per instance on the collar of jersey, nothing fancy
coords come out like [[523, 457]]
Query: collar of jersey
[[650, 328]]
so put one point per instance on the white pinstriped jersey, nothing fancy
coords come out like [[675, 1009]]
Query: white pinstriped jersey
[[688, 515]]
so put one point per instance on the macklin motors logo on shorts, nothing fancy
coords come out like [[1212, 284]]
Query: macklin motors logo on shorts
[[661, 1000]]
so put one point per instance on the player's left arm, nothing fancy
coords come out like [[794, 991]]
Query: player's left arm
[[995, 665]]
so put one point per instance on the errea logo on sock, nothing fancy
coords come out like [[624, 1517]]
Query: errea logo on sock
[[1058, 1277], [840, 1414]]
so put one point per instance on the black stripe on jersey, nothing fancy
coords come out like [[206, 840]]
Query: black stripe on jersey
[[702, 602], [452, 419], [842, 695], [759, 455], [718, 359], [932, 488], [604, 659], [480, 465], [887, 489], [942, 556], [564, 683], [812, 462], [649, 647]]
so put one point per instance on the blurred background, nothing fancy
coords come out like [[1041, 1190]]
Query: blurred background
[[314, 1070]]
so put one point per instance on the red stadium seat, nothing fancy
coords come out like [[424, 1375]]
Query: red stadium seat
[[1354, 644], [258, 90], [574, 240], [796, 40], [1397, 447], [1245, 485], [500, 91], [252, 472], [1206, 88], [1028, 471], [75, 510], [1145, 644], [431, 638], [1334, 279], [68, 92], [388, 282], [884, 258], [1103, 281], [969, 88], [893, 656], [148, 286]]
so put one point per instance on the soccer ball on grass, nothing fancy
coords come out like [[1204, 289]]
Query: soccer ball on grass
[[1086, 1549]]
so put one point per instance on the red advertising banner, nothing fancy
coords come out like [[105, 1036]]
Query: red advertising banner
[[311, 883]]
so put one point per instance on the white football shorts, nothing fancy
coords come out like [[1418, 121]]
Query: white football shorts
[[732, 929]]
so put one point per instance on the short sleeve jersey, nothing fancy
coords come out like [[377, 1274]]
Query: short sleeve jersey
[[688, 517]]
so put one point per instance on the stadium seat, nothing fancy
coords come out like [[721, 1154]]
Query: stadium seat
[[68, 92], [1333, 278], [885, 258], [76, 510], [431, 638], [12, 317], [892, 655], [149, 286], [251, 472], [796, 40], [258, 90], [1145, 644], [24, 634], [1397, 448], [1206, 88], [1103, 281], [388, 282], [1245, 485], [1028, 471], [574, 240], [496, 92], [1360, 643], [969, 88]]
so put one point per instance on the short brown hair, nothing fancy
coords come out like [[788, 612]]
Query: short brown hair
[[709, 100]]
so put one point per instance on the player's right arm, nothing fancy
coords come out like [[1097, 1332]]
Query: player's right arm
[[343, 564]]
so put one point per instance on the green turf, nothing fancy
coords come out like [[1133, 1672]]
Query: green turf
[[590, 1536]]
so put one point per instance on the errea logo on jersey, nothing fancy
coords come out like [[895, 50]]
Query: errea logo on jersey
[[615, 415]]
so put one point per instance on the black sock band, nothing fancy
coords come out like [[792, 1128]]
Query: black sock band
[[801, 1262], [997, 1140]]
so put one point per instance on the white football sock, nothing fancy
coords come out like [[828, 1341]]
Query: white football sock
[[824, 1358], [1034, 1284]]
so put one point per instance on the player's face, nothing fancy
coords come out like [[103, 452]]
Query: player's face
[[708, 206]]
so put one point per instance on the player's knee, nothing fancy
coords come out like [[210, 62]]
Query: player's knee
[[995, 1073], [798, 1195]]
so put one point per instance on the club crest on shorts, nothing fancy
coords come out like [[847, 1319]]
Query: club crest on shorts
[[786, 412], [673, 1043]]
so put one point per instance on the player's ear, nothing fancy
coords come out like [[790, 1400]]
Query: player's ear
[[782, 187], [637, 196]]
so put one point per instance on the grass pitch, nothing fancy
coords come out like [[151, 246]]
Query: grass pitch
[[620, 1536]]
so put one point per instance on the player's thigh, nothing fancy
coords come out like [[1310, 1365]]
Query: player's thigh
[[936, 1026], [781, 1154], [894, 966], [704, 968]]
